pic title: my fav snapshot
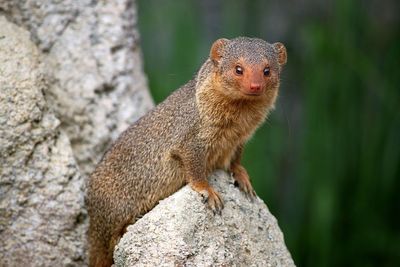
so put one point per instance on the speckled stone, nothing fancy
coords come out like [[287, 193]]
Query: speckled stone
[[42, 218], [181, 231], [92, 65]]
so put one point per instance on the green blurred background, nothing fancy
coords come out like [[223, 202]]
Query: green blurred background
[[327, 161]]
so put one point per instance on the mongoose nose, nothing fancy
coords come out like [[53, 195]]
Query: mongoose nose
[[255, 87]]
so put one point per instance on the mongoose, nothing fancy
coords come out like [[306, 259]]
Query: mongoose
[[201, 127]]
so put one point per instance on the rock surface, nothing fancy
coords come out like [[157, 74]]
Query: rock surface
[[181, 231], [41, 189], [93, 67]]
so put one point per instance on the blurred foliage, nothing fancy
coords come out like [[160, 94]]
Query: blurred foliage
[[327, 161]]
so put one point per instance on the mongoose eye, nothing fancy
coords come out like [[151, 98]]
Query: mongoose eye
[[266, 71], [239, 70]]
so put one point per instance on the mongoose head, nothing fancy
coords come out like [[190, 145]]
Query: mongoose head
[[247, 68]]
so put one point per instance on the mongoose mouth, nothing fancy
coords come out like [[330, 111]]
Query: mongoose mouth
[[252, 93]]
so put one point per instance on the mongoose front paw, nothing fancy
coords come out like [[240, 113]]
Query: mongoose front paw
[[214, 201], [210, 196], [242, 178]]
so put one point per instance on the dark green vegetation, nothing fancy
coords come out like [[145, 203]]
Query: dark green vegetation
[[327, 162]]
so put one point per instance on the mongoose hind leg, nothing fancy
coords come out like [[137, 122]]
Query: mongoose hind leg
[[99, 252], [101, 249]]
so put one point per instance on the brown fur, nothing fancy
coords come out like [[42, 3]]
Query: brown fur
[[199, 128]]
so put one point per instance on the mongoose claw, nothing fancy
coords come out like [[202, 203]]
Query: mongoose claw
[[205, 198]]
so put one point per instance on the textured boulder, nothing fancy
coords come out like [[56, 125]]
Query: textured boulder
[[92, 65], [41, 190], [71, 80], [181, 231]]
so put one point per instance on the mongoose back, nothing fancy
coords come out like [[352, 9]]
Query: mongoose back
[[201, 127]]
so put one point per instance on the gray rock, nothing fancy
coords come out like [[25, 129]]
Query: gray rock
[[181, 231], [93, 67], [41, 190], [69, 84]]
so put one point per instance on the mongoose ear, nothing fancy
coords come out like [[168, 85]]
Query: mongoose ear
[[282, 56], [217, 48]]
